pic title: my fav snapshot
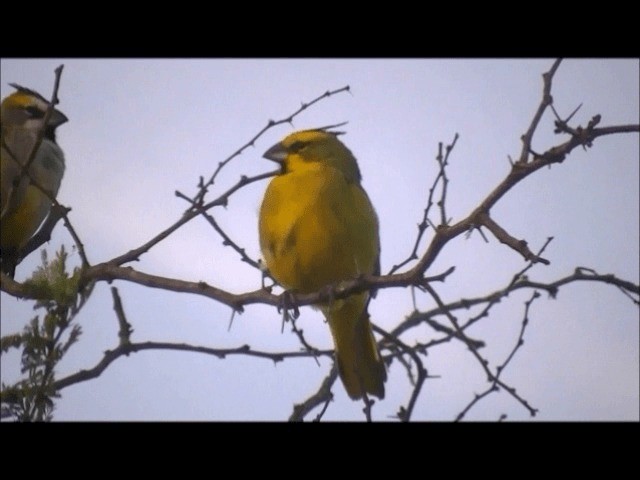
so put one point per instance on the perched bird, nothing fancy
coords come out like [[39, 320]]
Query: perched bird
[[23, 206], [318, 228]]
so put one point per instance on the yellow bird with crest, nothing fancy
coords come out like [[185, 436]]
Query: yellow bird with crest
[[23, 205], [318, 228]]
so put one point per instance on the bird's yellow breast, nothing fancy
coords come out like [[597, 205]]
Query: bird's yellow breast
[[316, 228]]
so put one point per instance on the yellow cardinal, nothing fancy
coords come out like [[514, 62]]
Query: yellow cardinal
[[318, 228], [23, 206]]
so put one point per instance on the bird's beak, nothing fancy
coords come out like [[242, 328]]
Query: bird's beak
[[277, 153], [57, 118]]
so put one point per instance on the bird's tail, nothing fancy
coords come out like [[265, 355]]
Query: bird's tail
[[359, 364]]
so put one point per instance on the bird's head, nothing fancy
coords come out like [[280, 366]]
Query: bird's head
[[300, 148], [26, 109]]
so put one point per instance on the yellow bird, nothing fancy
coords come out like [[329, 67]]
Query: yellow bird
[[318, 228], [23, 206]]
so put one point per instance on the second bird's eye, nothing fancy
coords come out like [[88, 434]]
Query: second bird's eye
[[35, 112], [297, 146]]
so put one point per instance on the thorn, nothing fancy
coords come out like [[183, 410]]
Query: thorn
[[233, 313], [573, 113]]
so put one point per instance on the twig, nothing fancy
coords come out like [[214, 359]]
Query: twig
[[197, 202], [520, 171], [503, 236], [303, 341], [368, 406], [199, 198], [134, 255], [422, 226], [520, 341], [126, 349], [404, 413], [500, 368], [547, 100], [125, 330], [227, 241], [476, 398], [324, 408], [322, 395], [483, 362], [445, 181]]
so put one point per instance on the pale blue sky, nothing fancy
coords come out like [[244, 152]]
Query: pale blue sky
[[141, 129]]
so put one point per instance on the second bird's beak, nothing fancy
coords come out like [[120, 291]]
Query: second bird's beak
[[57, 118], [277, 153]]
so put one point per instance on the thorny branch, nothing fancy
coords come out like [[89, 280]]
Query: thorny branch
[[316, 352], [500, 368], [134, 255], [546, 101], [125, 349], [124, 327], [483, 363], [493, 298], [422, 226], [199, 198], [322, 396], [404, 413], [197, 204], [226, 240], [443, 161]]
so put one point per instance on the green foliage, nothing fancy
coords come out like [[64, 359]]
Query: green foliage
[[44, 341], [52, 285]]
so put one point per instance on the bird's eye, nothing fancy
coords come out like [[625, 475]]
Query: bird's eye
[[297, 146], [35, 112]]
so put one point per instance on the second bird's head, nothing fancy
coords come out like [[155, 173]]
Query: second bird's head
[[299, 150], [26, 109]]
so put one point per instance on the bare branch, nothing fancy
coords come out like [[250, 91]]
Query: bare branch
[[316, 352], [500, 368], [404, 413], [422, 226], [482, 361], [125, 349], [197, 203], [492, 298], [547, 100], [227, 241], [323, 395], [477, 397], [501, 234], [199, 198], [124, 330], [134, 255], [445, 180], [519, 171]]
